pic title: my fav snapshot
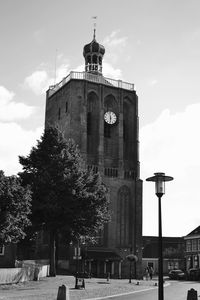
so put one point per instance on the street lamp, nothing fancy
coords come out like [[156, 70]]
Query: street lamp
[[159, 179]]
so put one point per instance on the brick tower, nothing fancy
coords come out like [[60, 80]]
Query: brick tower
[[101, 115]]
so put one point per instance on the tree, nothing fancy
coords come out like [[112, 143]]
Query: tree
[[15, 208], [66, 197]]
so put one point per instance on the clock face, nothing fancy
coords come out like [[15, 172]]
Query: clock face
[[110, 117]]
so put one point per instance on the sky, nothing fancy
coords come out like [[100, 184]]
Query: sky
[[154, 44]]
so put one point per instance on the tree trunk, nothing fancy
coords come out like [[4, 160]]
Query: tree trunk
[[52, 271]]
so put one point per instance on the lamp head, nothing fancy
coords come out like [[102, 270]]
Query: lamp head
[[159, 179]]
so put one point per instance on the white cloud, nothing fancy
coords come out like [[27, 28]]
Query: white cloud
[[15, 141], [62, 71], [40, 80], [114, 46], [10, 110], [152, 82], [112, 40], [171, 144], [80, 68], [110, 71]]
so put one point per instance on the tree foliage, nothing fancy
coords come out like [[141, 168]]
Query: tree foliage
[[15, 208], [66, 197]]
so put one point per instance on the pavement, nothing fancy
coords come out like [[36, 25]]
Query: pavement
[[95, 288]]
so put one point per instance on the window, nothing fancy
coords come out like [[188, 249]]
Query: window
[[66, 107], [194, 245], [198, 244], [89, 117], [1, 249], [188, 245], [95, 59], [173, 265], [59, 113], [123, 216], [89, 59]]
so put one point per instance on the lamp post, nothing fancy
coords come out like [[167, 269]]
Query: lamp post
[[159, 179]]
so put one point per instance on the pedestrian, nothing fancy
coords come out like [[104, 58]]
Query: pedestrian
[[147, 273], [151, 271]]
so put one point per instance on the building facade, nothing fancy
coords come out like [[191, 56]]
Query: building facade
[[101, 115], [173, 253], [7, 255], [192, 249]]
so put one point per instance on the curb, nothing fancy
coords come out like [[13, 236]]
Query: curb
[[124, 294]]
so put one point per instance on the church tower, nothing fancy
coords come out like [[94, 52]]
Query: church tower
[[101, 115]]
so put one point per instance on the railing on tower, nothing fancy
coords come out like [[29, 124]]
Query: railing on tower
[[90, 77]]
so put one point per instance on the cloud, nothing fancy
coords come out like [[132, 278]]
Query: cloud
[[152, 82], [171, 145], [15, 141], [114, 46], [11, 110], [112, 40], [62, 71], [40, 80], [110, 71]]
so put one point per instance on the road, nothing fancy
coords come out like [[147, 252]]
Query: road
[[176, 290]]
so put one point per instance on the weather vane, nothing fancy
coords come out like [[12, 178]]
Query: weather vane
[[94, 24]]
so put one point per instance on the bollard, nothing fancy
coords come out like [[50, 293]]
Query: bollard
[[108, 276], [63, 293], [83, 284], [36, 274], [192, 294]]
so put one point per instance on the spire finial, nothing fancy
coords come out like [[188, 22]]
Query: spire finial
[[95, 24]]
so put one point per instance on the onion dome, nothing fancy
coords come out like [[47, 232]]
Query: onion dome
[[93, 54]]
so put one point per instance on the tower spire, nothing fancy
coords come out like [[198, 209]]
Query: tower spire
[[93, 54], [94, 25]]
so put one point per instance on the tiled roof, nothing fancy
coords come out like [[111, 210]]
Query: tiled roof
[[196, 231]]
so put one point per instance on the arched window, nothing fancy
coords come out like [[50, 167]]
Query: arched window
[[123, 216], [89, 123], [129, 132], [94, 59], [92, 127], [89, 59]]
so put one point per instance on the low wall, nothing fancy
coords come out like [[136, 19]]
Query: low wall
[[29, 270], [63, 264]]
